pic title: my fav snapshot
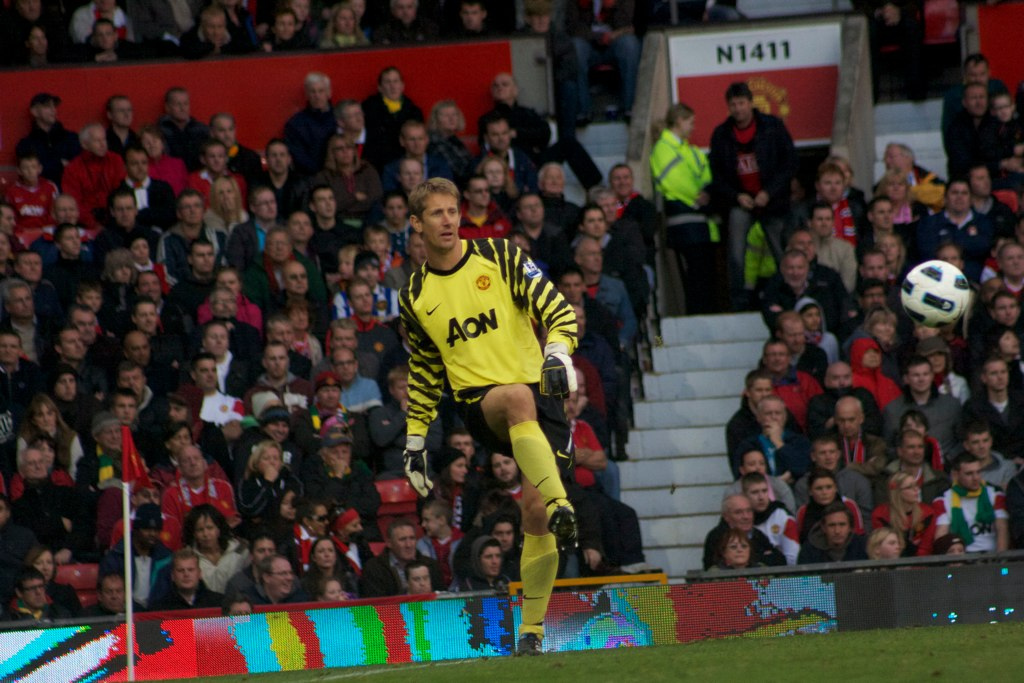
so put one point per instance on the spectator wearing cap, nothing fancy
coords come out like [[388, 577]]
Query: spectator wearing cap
[[349, 537], [387, 426], [949, 544], [335, 476], [194, 485], [936, 350], [100, 468], [109, 525], [151, 559], [52, 143], [327, 401], [274, 423], [77, 408]]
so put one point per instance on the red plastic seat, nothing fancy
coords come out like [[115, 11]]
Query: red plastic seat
[[377, 548], [83, 578], [397, 497], [941, 22], [1008, 197]]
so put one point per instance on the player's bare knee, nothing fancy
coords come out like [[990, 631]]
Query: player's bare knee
[[535, 518], [520, 404]]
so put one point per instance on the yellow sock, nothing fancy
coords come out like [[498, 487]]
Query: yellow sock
[[536, 461], [538, 567]]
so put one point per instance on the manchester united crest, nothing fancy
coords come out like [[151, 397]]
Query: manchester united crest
[[483, 283], [769, 98]]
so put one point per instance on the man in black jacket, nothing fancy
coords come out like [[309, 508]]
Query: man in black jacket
[[15, 542], [752, 162], [187, 588], [384, 575], [833, 539]]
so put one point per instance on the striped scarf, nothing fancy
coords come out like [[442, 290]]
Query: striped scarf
[[107, 467], [985, 513]]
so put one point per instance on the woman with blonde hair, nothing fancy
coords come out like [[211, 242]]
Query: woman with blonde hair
[[503, 188], [343, 29], [905, 211], [226, 209], [885, 544], [907, 515], [682, 175], [265, 483], [446, 122], [895, 252]]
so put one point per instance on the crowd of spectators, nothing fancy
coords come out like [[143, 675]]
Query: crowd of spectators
[[236, 312], [859, 421], [584, 33]]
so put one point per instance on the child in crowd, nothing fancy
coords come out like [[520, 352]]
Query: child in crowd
[[32, 199], [441, 539]]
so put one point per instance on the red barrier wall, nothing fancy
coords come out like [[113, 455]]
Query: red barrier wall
[[262, 91], [999, 28]]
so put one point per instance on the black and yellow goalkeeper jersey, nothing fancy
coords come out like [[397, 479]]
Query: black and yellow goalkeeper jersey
[[475, 323]]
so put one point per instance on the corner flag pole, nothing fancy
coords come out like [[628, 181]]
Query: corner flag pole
[[129, 602]]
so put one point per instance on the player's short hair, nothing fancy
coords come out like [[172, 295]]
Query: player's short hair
[[431, 186]]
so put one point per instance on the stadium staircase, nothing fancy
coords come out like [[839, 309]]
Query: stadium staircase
[[678, 467]]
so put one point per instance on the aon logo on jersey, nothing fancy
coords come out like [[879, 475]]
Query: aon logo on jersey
[[471, 327]]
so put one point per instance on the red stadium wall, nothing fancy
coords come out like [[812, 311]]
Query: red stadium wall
[[262, 91], [999, 29]]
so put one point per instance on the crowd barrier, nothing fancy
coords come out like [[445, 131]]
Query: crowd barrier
[[454, 627]]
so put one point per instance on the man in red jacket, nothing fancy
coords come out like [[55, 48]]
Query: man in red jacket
[[92, 176], [481, 216]]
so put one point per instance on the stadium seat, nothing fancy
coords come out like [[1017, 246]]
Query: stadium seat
[[377, 548], [397, 497], [941, 22], [1008, 197], [83, 578]]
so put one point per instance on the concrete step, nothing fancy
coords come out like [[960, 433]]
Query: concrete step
[[663, 502], [702, 412], [645, 444], [673, 386], [606, 143], [675, 531], [726, 327], [896, 118], [710, 356], [675, 561], [761, 9], [705, 469]]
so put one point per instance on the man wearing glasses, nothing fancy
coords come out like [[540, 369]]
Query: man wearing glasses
[[31, 605], [481, 216]]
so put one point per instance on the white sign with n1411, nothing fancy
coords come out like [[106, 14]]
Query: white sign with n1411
[[769, 48]]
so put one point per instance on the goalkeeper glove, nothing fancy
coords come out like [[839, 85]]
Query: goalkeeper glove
[[557, 376], [416, 465]]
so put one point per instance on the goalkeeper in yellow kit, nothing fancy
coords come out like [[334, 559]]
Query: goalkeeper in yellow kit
[[469, 312]]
